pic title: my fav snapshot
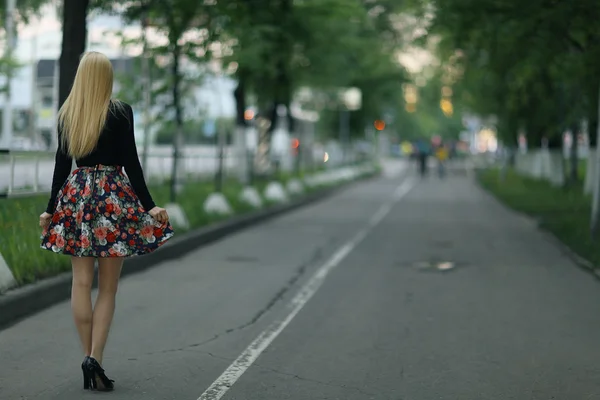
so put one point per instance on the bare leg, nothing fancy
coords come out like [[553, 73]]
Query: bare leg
[[81, 299], [109, 271]]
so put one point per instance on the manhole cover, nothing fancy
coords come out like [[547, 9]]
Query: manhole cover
[[445, 266], [435, 265]]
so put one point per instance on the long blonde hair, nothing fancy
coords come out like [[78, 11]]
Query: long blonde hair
[[83, 115]]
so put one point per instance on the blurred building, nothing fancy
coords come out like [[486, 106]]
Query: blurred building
[[45, 94]]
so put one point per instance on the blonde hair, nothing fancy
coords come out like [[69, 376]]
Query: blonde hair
[[83, 115]]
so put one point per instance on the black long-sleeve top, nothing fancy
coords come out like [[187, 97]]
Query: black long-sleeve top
[[116, 146]]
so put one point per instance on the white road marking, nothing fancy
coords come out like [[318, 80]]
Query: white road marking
[[403, 189], [230, 376]]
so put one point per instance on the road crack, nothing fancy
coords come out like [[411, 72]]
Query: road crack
[[300, 271]]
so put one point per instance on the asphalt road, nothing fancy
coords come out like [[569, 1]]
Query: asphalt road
[[337, 301]]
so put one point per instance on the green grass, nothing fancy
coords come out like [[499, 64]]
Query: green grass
[[20, 239], [563, 211], [20, 234]]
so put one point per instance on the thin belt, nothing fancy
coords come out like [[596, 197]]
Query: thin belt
[[100, 167]]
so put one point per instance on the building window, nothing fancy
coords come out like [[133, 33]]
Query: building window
[[47, 101]]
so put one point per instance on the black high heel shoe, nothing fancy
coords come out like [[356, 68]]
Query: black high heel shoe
[[95, 373], [86, 376]]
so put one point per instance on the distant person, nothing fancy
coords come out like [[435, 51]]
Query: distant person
[[97, 212], [452, 152], [441, 154], [422, 155]]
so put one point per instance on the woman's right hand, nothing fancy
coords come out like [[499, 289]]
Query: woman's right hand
[[45, 220], [159, 214]]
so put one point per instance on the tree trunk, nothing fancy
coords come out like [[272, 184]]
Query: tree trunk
[[555, 141], [512, 156], [271, 114], [574, 169], [240, 100], [593, 117], [592, 128], [282, 78], [243, 157], [73, 44]]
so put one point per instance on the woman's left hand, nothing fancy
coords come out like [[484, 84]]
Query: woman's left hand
[[45, 220]]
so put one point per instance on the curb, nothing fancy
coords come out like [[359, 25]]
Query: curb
[[30, 299]]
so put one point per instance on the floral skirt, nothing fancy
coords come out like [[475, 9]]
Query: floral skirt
[[98, 214]]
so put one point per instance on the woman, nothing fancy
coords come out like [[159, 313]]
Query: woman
[[97, 212]]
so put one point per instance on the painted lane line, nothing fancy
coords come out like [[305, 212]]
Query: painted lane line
[[399, 193], [379, 215], [403, 189], [245, 360]]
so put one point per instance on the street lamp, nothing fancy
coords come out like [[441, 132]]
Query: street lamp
[[379, 125], [352, 98]]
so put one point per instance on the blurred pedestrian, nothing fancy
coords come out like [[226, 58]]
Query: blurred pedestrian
[[423, 150], [97, 212], [441, 154]]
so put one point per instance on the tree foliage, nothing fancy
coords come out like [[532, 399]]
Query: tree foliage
[[527, 63], [24, 11], [279, 46]]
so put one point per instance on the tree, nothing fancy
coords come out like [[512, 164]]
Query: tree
[[161, 79], [538, 66], [279, 46], [8, 63], [74, 39], [176, 19], [74, 36], [25, 9]]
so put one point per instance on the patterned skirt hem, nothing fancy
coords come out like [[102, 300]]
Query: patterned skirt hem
[[97, 214], [97, 254]]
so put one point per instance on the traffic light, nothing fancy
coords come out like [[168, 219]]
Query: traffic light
[[379, 124]]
